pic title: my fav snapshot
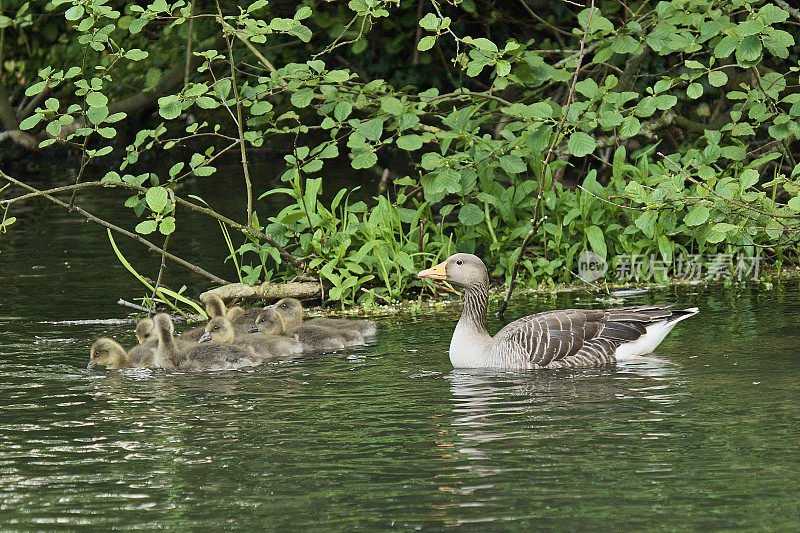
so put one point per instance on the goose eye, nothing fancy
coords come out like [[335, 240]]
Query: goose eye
[[459, 262], [216, 328]]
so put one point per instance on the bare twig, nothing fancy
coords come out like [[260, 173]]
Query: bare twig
[[418, 36], [737, 203], [157, 284], [560, 127], [150, 246], [610, 202], [137, 307], [514, 271], [189, 46], [194, 207], [793, 11], [239, 122]]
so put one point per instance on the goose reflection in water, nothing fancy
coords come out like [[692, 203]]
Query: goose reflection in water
[[562, 417]]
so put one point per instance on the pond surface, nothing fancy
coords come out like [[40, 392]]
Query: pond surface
[[704, 436]]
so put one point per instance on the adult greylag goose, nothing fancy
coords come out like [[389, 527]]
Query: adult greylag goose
[[553, 339], [177, 355], [315, 336], [292, 311], [264, 346]]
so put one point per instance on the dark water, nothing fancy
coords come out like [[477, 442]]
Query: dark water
[[387, 437]]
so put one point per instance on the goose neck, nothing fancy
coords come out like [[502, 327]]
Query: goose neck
[[476, 300]]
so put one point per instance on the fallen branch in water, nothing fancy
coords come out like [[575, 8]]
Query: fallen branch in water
[[267, 291]]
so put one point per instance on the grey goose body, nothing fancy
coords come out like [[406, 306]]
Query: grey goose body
[[552, 339]]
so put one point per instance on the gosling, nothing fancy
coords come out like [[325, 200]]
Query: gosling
[[180, 355], [220, 330]]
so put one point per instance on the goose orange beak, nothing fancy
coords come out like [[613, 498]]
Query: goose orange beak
[[437, 272]]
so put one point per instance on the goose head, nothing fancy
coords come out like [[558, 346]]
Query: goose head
[[218, 329], [269, 321], [145, 330], [291, 311], [466, 270], [108, 353]]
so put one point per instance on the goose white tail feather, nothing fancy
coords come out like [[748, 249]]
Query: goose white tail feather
[[656, 333]]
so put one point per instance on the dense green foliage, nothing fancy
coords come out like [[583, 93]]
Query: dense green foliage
[[651, 130]]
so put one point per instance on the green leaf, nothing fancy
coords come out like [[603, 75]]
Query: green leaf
[[169, 107], [371, 129], [426, 43], [342, 111], [135, 54], [503, 68], [470, 215], [95, 99], [630, 126], [646, 222], [36, 88], [598, 22], [665, 101], [363, 159], [748, 51], [483, 44], [694, 91], [409, 142], [597, 240], [447, 181], [587, 87], [260, 108], [581, 144], [646, 106], [302, 97], [97, 115], [167, 225], [30, 122], [698, 215], [725, 46], [391, 105], [146, 227], [138, 24], [74, 13], [513, 164], [717, 78], [429, 22], [665, 247], [157, 199], [337, 76], [724, 227]]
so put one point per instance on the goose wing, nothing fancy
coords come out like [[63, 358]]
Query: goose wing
[[575, 337]]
